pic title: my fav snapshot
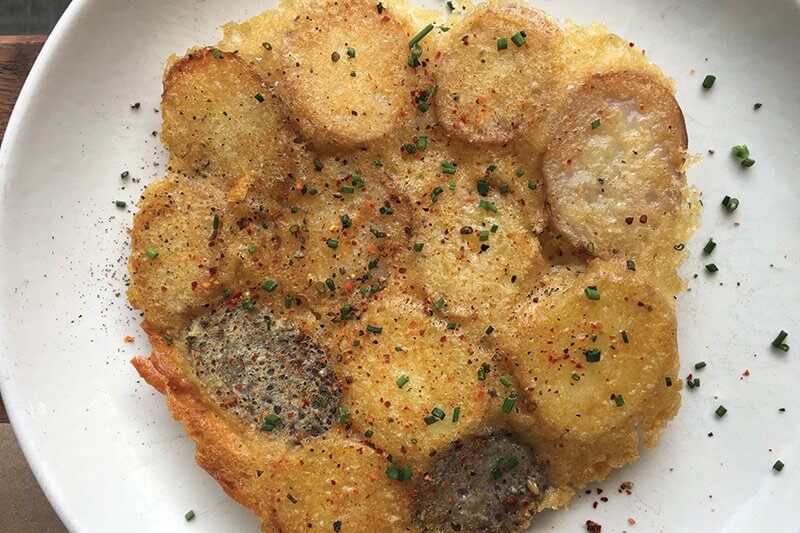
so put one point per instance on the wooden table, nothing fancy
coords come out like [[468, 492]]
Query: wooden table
[[23, 507]]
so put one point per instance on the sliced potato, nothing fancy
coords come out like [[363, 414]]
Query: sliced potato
[[488, 95], [614, 170], [336, 480], [220, 119], [480, 255], [439, 364], [585, 389], [336, 99]]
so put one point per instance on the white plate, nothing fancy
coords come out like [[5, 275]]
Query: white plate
[[103, 444]]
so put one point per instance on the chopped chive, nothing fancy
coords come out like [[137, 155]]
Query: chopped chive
[[503, 188], [379, 7], [721, 411], [668, 381], [491, 168], [451, 325], [430, 419], [483, 235], [709, 247], [333, 244], [374, 329], [438, 303], [287, 301], [502, 43], [351, 52], [711, 267], [575, 376], [624, 335], [272, 419], [680, 246], [778, 342], [411, 148], [378, 163], [489, 206], [217, 53], [592, 293], [619, 400], [125, 174], [508, 403], [596, 123], [418, 37], [120, 203], [456, 413], [590, 247], [701, 364], [423, 106], [532, 185], [518, 38], [448, 168], [269, 285], [519, 172], [189, 516], [402, 380], [291, 498], [318, 165], [413, 57], [266, 45], [248, 305], [330, 284], [226, 292], [593, 355], [251, 249], [494, 227], [452, 185], [405, 474], [483, 187], [151, 253], [346, 221], [450, 5], [496, 473], [136, 105], [344, 415], [778, 466], [348, 189], [259, 97], [747, 162], [631, 265], [438, 413], [489, 330], [731, 204], [697, 383], [741, 151], [708, 81], [506, 381], [373, 264], [418, 246]]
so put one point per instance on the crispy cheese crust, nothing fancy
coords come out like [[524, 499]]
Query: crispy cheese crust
[[395, 289]]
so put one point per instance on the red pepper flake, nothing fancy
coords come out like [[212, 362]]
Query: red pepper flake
[[128, 339], [631, 521], [643, 219], [385, 19], [593, 527], [629, 220]]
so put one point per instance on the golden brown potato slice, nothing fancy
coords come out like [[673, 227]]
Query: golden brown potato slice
[[336, 484], [221, 119], [407, 364], [173, 262], [488, 95], [337, 99], [479, 255], [614, 170], [596, 359]]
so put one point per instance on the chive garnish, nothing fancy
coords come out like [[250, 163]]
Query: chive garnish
[[448, 168], [619, 400], [596, 123], [747, 162], [151, 253], [741, 151], [125, 174], [711, 267], [266, 45], [418, 37], [730, 203], [778, 342], [369, 433], [506, 381], [701, 364], [318, 165], [291, 498], [631, 265], [456, 413], [430, 419], [483, 187], [592, 293], [259, 97], [120, 203], [346, 221], [709, 247], [489, 330], [269, 285], [248, 305], [402, 380], [438, 303], [668, 381], [502, 43], [344, 415], [778, 466], [593, 355], [333, 244], [189, 516], [351, 52], [680, 246], [518, 38], [251, 249], [374, 329], [508, 403], [532, 185], [438, 413], [217, 53], [708, 81], [721, 411], [418, 246], [489, 206], [624, 335]]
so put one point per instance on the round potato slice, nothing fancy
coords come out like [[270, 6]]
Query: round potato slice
[[406, 377], [343, 76], [595, 360], [336, 484], [220, 119], [488, 95], [479, 254], [614, 170]]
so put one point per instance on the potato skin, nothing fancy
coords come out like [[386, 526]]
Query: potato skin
[[613, 171], [346, 101], [488, 95]]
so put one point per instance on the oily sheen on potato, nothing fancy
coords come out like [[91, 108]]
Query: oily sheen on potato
[[412, 270]]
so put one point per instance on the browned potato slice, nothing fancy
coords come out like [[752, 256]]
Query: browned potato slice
[[488, 95], [336, 484], [440, 366], [337, 99], [583, 388], [173, 262], [614, 170], [480, 255], [216, 123]]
